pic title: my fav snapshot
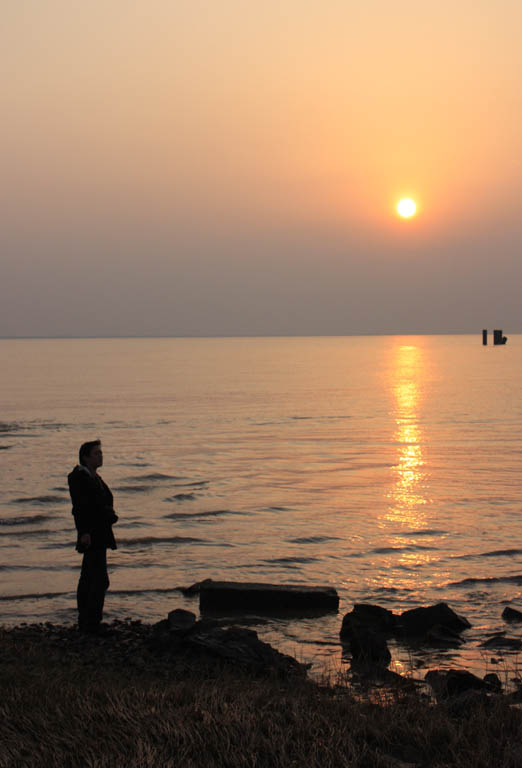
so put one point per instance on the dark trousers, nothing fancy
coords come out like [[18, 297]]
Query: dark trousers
[[93, 583]]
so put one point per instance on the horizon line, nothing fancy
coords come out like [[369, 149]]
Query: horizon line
[[246, 336]]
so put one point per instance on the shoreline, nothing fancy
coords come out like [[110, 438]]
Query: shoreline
[[76, 700]]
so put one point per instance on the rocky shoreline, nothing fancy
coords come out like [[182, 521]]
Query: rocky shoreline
[[209, 692], [180, 645]]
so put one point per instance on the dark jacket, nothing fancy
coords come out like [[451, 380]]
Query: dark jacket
[[92, 508]]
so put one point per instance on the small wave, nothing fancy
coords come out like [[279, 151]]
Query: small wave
[[486, 580], [23, 534], [7, 427], [494, 553], [5, 447], [11, 427], [149, 540], [181, 497], [131, 524], [156, 477], [39, 500], [191, 515], [150, 591], [33, 596], [391, 550], [291, 560], [195, 484], [426, 532], [313, 539], [279, 509], [30, 520], [132, 488], [38, 568]]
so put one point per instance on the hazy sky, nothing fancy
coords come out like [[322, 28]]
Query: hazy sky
[[223, 167]]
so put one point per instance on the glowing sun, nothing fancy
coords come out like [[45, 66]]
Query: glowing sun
[[406, 207]]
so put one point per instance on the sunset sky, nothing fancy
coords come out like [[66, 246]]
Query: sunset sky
[[224, 167]]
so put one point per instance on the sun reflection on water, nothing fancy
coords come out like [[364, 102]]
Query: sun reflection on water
[[407, 497]]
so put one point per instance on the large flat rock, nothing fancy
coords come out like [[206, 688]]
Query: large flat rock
[[218, 596]]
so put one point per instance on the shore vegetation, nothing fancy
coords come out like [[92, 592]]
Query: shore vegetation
[[68, 701]]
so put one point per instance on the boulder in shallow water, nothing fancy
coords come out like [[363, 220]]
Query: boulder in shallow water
[[219, 596], [443, 636], [194, 589], [371, 617], [500, 642], [368, 647], [511, 614], [418, 621]]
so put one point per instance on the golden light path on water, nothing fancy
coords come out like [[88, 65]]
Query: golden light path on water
[[407, 497]]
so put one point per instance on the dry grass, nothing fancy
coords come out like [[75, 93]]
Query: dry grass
[[61, 710]]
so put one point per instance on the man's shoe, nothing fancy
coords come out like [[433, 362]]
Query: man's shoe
[[98, 630]]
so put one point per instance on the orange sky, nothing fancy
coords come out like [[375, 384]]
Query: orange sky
[[181, 136]]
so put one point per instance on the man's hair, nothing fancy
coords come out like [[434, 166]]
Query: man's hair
[[86, 448]]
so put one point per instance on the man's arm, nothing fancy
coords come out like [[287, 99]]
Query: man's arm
[[81, 496]]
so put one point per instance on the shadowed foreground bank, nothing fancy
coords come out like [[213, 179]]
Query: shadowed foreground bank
[[72, 700]]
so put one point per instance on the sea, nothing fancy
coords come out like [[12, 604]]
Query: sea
[[387, 467]]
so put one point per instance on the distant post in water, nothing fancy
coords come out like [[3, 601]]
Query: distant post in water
[[498, 338], [485, 336]]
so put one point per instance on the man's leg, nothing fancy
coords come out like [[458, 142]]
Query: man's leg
[[94, 582]]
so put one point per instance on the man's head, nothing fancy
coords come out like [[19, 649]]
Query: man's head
[[91, 454]]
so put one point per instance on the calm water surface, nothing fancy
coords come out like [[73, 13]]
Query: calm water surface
[[387, 467]]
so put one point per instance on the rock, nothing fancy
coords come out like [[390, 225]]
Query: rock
[[418, 621], [180, 621], [242, 648], [370, 616], [501, 642], [453, 682], [493, 682], [377, 675], [511, 614], [194, 588], [439, 635], [221, 596], [182, 638], [367, 646]]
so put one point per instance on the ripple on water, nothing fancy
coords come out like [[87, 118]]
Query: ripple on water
[[132, 489], [195, 515], [22, 534], [313, 539], [29, 520], [398, 550], [291, 560], [41, 500], [486, 580], [494, 553], [150, 540], [155, 477]]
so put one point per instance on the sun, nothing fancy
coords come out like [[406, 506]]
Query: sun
[[406, 207]]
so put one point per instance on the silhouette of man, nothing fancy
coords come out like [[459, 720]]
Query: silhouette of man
[[94, 517]]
